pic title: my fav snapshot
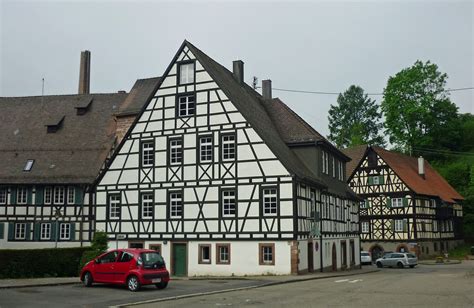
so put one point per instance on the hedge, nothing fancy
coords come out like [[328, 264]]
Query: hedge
[[31, 263]]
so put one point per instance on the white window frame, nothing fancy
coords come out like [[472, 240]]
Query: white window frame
[[114, 206], [29, 165], [48, 195], [228, 202], [147, 205], [186, 105], [205, 149], [186, 73], [397, 202], [21, 195], [376, 180], [325, 162], [45, 231], [341, 170], [268, 254], [148, 153], [58, 196], [223, 254], [176, 204], [270, 200], [365, 228], [3, 195], [398, 225], [229, 148], [333, 167], [20, 231], [71, 195], [176, 151], [65, 231]]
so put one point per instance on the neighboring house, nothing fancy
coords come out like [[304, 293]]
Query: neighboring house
[[407, 204], [224, 181]]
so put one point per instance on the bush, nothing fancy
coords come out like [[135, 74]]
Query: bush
[[31, 263], [98, 246]]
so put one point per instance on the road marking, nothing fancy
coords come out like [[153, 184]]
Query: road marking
[[342, 280], [354, 281]]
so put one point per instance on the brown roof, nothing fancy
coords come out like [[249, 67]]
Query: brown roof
[[139, 95], [406, 167], [73, 154], [356, 154]]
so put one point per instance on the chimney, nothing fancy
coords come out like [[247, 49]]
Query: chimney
[[267, 89], [238, 70], [421, 166], [85, 72]]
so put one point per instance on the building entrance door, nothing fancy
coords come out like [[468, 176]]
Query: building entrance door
[[178, 259]]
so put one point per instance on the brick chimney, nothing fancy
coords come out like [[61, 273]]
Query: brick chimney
[[238, 70], [267, 89], [85, 72], [421, 166]]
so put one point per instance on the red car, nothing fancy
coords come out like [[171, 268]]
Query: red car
[[132, 267]]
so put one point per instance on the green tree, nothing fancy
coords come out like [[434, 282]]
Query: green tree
[[418, 112], [355, 119]]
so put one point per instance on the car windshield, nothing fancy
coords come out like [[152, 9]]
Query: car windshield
[[151, 258], [364, 254], [411, 255]]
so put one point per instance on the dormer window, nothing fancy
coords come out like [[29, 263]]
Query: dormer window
[[54, 124], [186, 73], [29, 165]]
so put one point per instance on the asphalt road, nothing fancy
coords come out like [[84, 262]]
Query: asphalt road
[[424, 286]]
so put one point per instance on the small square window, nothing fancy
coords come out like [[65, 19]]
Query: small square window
[[186, 105], [223, 253], [204, 254], [266, 254], [186, 73], [29, 165]]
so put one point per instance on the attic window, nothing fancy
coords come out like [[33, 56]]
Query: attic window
[[83, 107], [186, 73], [54, 124], [29, 165]]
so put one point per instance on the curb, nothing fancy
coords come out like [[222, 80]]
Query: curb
[[451, 262], [39, 285], [268, 284]]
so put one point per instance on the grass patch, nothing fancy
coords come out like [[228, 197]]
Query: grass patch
[[461, 251]]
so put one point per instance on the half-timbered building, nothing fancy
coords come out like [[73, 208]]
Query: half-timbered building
[[407, 205], [224, 181]]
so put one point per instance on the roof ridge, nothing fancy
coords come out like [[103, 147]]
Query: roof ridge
[[64, 95]]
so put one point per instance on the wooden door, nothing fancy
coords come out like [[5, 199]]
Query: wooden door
[[178, 259], [334, 257], [310, 257], [343, 254]]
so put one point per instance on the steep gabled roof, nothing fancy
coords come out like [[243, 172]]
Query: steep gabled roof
[[356, 154], [406, 167], [140, 94], [72, 154]]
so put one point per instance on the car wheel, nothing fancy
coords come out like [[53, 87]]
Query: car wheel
[[87, 279], [133, 284], [161, 285], [400, 265], [379, 264]]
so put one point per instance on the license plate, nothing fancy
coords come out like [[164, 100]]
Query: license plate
[[156, 280]]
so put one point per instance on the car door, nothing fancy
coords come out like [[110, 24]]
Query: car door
[[387, 260], [104, 268], [124, 264]]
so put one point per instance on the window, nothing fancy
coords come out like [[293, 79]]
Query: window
[[397, 202], [398, 225], [223, 253], [71, 195], [333, 167], [176, 205], [364, 204], [156, 247], [48, 195], [114, 206], [109, 258], [21, 195], [269, 200], [45, 231], [365, 226], [186, 73], [3, 196], [176, 151], [205, 149], [186, 105], [204, 254], [266, 254], [59, 195], [340, 170], [64, 231], [20, 231], [228, 202], [228, 147], [147, 205], [423, 226], [148, 153], [375, 180], [29, 165], [325, 158], [125, 257]]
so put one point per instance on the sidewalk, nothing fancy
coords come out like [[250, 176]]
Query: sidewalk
[[53, 281]]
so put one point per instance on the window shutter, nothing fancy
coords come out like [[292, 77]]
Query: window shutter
[[28, 231], [371, 180], [11, 231], [53, 231], [405, 202], [39, 198], [381, 179], [78, 195], [13, 196], [36, 231], [73, 232], [29, 195], [389, 202], [393, 225], [2, 230], [367, 203], [405, 226]]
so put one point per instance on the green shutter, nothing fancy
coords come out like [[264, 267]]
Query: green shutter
[[53, 231], [13, 196], [29, 195], [2, 230], [392, 226], [405, 201], [11, 231], [28, 231], [381, 179], [39, 198], [371, 180], [36, 231], [78, 195], [389, 202], [405, 227], [367, 203], [73, 232]]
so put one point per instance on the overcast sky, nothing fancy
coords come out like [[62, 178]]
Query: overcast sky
[[315, 46]]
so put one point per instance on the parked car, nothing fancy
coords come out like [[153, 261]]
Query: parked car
[[398, 259], [365, 257], [130, 267]]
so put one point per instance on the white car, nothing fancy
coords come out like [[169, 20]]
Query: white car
[[365, 257]]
